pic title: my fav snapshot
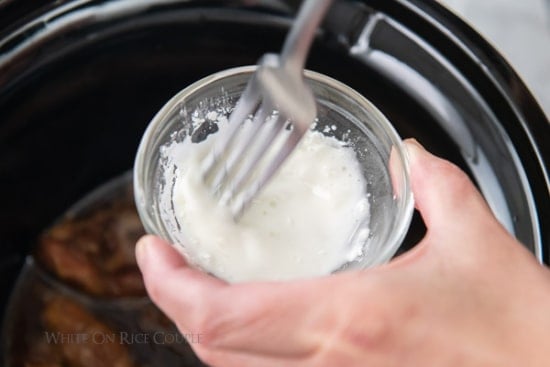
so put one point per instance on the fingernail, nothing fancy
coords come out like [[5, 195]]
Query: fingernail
[[413, 147], [141, 250], [413, 141]]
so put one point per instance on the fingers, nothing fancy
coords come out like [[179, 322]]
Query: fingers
[[244, 318], [446, 198], [178, 289]]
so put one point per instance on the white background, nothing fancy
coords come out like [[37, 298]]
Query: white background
[[520, 30]]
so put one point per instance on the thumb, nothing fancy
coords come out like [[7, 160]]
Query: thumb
[[445, 197]]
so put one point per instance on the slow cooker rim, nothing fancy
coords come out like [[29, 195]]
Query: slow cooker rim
[[470, 46]]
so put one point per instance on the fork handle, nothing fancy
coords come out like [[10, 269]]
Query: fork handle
[[300, 37]]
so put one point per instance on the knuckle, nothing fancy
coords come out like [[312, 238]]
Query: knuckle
[[378, 327], [454, 179], [449, 170], [226, 321], [214, 324], [374, 334]]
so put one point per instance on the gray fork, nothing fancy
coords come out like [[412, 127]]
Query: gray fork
[[281, 108]]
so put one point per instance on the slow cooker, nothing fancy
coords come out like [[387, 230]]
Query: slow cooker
[[80, 80]]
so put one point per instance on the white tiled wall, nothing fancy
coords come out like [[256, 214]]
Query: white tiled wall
[[520, 30]]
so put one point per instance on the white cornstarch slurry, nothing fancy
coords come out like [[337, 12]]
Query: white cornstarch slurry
[[299, 226]]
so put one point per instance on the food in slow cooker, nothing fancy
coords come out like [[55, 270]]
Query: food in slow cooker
[[95, 252], [80, 300], [75, 337]]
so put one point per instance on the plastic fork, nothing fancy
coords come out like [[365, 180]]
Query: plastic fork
[[275, 110]]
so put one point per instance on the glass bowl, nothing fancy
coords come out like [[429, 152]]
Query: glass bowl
[[342, 113]]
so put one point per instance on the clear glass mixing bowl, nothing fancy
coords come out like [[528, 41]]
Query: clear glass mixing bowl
[[358, 123]]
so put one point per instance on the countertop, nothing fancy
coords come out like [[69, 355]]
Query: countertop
[[520, 30]]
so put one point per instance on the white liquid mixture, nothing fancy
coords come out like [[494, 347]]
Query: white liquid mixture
[[299, 226]]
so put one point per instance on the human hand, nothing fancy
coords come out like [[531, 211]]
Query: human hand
[[467, 295]]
